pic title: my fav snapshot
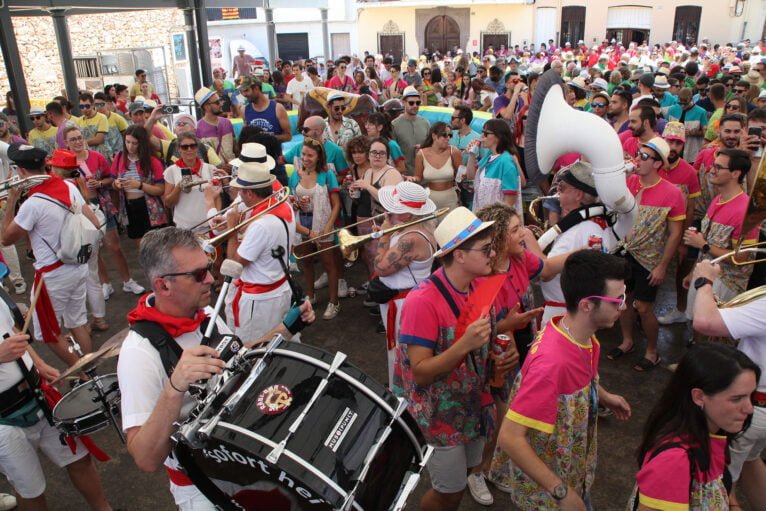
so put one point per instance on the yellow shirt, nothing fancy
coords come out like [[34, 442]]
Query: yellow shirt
[[45, 140], [117, 121], [135, 90]]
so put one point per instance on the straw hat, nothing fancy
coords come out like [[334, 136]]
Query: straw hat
[[660, 147], [203, 95], [410, 91], [406, 197], [253, 152], [753, 78], [457, 227], [661, 82], [253, 168]]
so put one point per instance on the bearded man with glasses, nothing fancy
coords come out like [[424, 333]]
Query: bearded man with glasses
[[339, 128], [410, 129]]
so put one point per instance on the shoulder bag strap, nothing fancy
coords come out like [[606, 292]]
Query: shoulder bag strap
[[163, 342]]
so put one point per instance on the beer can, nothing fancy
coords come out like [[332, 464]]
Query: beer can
[[499, 347], [596, 242], [692, 229]]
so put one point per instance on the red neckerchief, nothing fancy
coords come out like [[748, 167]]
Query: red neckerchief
[[171, 324], [197, 166], [600, 221], [283, 211], [55, 188]]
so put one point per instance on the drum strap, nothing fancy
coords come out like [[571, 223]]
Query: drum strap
[[164, 343], [203, 483]]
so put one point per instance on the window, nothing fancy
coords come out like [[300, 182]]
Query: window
[[687, 25], [572, 25], [86, 67]]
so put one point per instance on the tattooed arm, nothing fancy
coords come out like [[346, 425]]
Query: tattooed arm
[[389, 260]]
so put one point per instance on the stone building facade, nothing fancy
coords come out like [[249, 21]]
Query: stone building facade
[[89, 34]]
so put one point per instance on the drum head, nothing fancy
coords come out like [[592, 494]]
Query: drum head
[[325, 457], [83, 400]]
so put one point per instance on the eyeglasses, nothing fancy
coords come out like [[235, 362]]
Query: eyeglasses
[[99, 104], [198, 275], [337, 108], [186, 147], [717, 167], [486, 133], [413, 103], [598, 105], [378, 154], [76, 139], [486, 249], [620, 300], [426, 73], [85, 106], [645, 156]]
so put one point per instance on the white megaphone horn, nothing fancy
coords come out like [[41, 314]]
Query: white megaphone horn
[[554, 128]]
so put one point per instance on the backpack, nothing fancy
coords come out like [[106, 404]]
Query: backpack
[[78, 235]]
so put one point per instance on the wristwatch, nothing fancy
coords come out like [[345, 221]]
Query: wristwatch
[[702, 281], [705, 248], [560, 492]]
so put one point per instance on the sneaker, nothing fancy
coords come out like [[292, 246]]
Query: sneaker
[[132, 286], [331, 311], [674, 316], [321, 281], [479, 491], [342, 288], [604, 412], [7, 502], [380, 328], [20, 287], [99, 324], [505, 488], [107, 289]]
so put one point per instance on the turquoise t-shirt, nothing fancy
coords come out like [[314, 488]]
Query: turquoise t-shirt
[[695, 113], [497, 177], [326, 179]]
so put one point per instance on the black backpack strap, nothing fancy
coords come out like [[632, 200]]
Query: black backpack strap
[[163, 342], [445, 293]]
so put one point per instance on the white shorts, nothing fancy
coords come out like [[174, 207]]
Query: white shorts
[[448, 467], [750, 444], [20, 463], [67, 288], [260, 313], [189, 498]]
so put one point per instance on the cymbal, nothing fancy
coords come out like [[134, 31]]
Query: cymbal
[[88, 361], [116, 340]]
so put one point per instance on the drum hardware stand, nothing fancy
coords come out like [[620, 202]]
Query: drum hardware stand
[[400, 409], [412, 481], [102, 392], [230, 403], [274, 455]]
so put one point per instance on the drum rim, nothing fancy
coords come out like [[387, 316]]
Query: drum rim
[[293, 457], [356, 383], [98, 410]]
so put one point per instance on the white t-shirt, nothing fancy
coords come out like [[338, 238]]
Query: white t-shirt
[[261, 236], [142, 378], [190, 209], [298, 90], [748, 324], [44, 220], [10, 374], [573, 239]]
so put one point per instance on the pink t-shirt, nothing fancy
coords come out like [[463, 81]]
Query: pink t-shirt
[[684, 176], [664, 480], [556, 366], [346, 84]]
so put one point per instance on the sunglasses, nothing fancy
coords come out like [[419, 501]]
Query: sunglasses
[[183, 123], [486, 133], [486, 249], [645, 156], [378, 154], [413, 103], [620, 301], [732, 107], [186, 147], [85, 106], [99, 104], [305, 129], [337, 108], [598, 105], [446, 134], [455, 118], [198, 275], [36, 117]]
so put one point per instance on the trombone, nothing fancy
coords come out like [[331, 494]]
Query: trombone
[[237, 203], [348, 243], [25, 184], [186, 188], [281, 197]]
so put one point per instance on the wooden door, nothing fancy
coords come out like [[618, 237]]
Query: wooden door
[[392, 44], [443, 34]]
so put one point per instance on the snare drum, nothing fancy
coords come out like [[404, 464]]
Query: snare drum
[[81, 412], [356, 439]]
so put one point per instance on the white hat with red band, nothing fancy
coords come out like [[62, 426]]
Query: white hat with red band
[[406, 197]]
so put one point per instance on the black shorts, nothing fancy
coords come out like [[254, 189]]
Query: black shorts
[[638, 282], [138, 218]]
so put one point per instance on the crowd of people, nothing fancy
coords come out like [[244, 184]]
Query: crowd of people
[[451, 267]]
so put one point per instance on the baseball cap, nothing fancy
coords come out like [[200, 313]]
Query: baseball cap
[[27, 156], [248, 82]]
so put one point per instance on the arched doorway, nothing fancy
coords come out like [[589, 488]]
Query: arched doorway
[[442, 33]]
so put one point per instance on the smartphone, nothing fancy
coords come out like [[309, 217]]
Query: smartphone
[[757, 149], [170, 109]]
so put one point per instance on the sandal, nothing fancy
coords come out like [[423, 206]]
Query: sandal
[[645, 365], [617, 352]]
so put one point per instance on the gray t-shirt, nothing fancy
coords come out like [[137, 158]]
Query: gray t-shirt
[[408, 133], [413, 79]]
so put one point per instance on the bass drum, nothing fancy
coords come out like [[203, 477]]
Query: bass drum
[[325, 458]]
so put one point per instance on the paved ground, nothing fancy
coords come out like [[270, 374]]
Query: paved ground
[[353, 332]]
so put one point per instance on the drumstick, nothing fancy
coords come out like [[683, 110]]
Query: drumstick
[[28, 319]]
